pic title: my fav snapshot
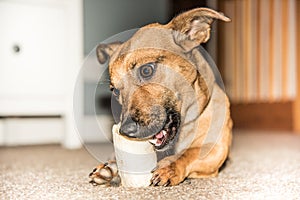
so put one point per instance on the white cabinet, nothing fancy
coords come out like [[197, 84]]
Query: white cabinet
[[32, 50], [40, 54]]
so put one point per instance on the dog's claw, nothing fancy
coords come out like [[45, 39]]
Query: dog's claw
[[167, 183], [155, 178], [153, 170], [156, 181]]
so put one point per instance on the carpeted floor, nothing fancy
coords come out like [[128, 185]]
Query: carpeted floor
[[262, 166]]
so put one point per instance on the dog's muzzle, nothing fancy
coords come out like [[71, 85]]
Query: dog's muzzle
[[159, 137]]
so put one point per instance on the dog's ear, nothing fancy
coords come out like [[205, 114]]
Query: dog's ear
[[193, 27], [104, 51]]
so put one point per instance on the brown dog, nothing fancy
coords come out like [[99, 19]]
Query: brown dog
[[169, 96]]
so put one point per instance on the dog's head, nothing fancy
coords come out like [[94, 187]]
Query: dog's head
[[156, 77]]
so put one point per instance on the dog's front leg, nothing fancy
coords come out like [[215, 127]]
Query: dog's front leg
[[197, 162]]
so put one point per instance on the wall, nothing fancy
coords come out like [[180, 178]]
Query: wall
[[104, 18]]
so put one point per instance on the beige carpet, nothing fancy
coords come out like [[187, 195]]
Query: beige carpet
[[262, 166]]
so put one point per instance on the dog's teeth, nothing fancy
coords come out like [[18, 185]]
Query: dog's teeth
[[164, 132], [153, 141]]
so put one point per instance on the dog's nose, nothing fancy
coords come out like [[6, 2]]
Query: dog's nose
[[129, 128]]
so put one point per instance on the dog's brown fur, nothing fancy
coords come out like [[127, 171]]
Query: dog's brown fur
[[182, 72]]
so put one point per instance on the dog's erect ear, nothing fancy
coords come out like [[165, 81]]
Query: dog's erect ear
[[104, 51], [193, 27]]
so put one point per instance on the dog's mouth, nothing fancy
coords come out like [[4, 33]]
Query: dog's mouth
[[162, 138], [168, 133]]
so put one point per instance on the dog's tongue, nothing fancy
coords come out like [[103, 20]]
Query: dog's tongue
[[159, 135], [158, 138]]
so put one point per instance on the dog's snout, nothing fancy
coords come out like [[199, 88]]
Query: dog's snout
[[129, 128]]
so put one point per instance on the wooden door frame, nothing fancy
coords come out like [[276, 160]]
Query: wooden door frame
[[268, 115], [296, 105]]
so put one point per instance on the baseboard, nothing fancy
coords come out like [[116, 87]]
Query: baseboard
[[31, 131], [263, 116], [1, 132]]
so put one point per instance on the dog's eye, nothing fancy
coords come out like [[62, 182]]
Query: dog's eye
[[147, 70], [116, 92]]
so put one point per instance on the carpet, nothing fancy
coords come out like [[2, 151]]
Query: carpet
[[261, 166]]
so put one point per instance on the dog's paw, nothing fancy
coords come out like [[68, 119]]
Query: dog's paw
[[168, 175], [105, 174]]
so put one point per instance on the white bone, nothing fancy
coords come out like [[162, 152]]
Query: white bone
[[135, 160]]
